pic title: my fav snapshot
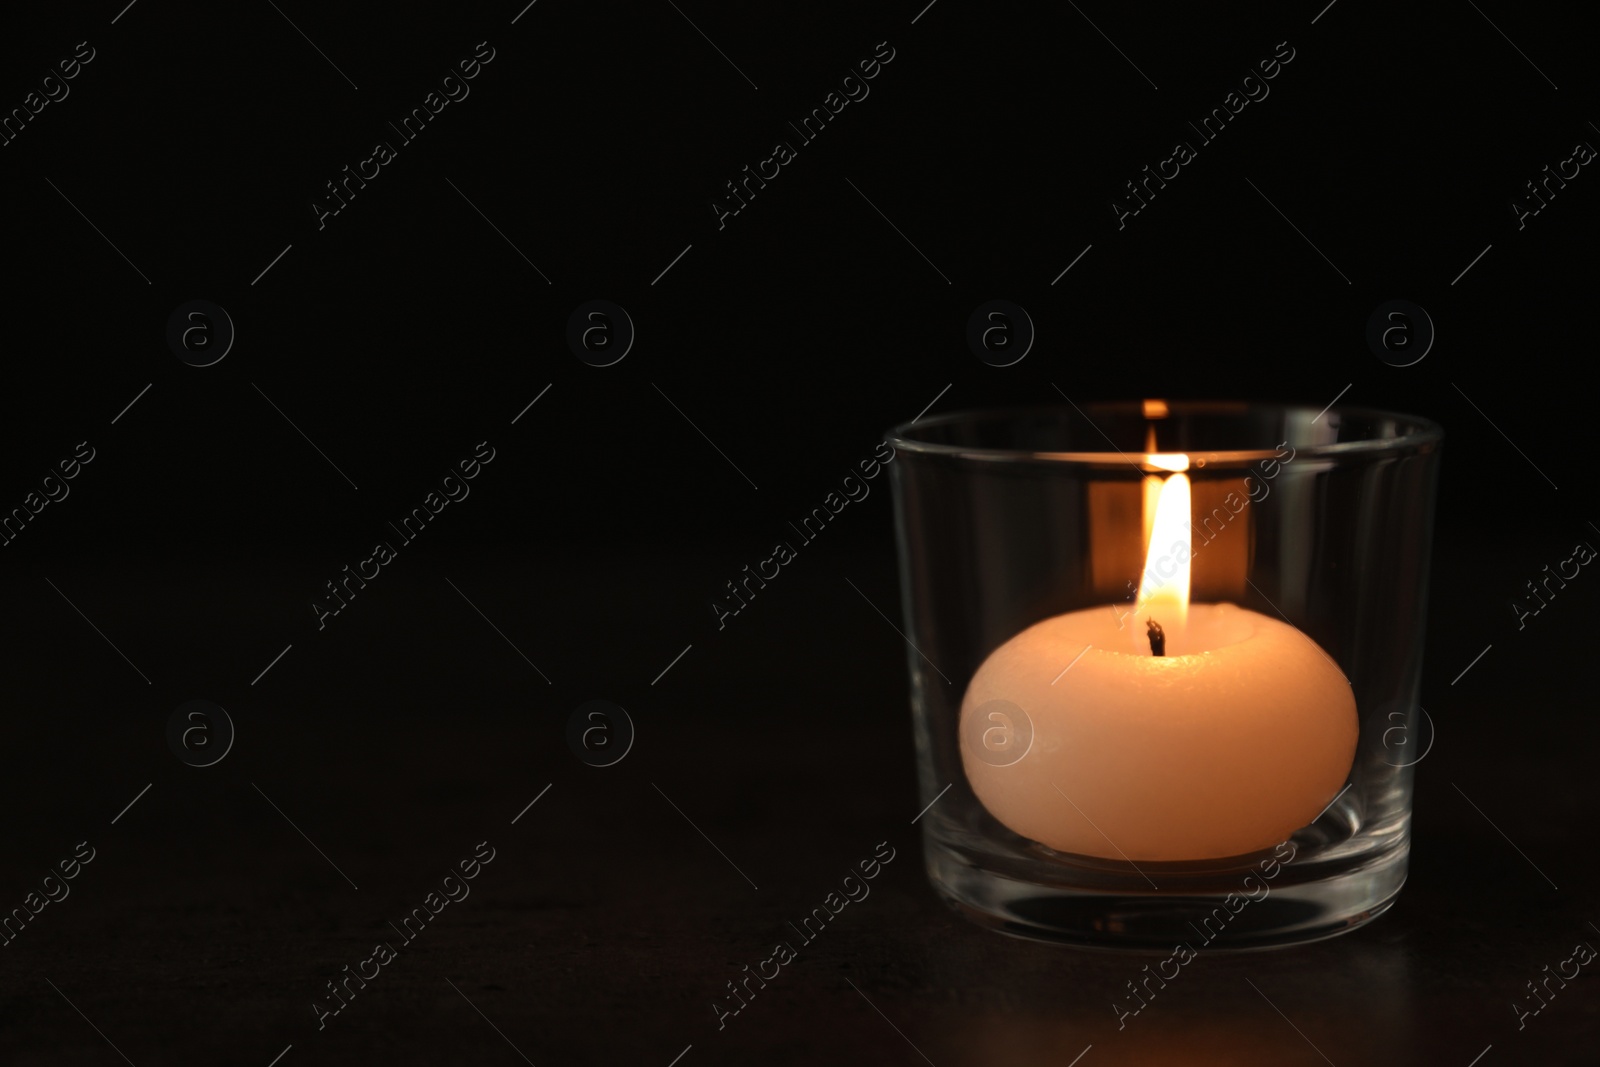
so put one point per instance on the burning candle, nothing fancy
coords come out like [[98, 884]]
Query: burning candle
[[1171, 732]]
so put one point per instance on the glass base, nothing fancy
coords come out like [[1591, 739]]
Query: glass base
[[1230, 909]]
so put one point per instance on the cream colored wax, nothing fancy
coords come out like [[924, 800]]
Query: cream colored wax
[[1239, 735]]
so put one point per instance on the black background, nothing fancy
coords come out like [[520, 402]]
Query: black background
[[410, 327]]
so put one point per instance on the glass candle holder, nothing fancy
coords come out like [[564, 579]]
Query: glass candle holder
[[1164, 665]]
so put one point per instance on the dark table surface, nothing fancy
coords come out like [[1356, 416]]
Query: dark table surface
[[772, 756]]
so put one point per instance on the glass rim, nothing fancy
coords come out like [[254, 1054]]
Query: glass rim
[[1422, 432]]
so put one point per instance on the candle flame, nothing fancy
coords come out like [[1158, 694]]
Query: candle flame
[[1164, 589]]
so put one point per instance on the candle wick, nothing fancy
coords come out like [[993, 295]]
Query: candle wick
[[1158, 639]]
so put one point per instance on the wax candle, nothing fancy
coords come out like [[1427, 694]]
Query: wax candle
[[1167, 732]]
